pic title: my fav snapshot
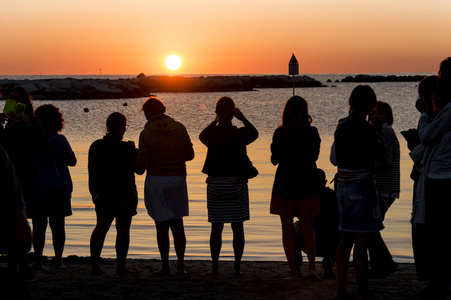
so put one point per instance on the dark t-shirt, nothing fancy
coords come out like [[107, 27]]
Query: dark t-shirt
[[357, 144], [111, 166]]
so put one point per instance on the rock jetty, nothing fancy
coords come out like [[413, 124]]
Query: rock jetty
[[143, 86], [381, 78]]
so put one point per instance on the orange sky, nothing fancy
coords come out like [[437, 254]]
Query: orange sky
[[223, 37]]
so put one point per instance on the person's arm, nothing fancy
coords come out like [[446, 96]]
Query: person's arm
[[69, 155], [379, 149], [275, 149], [93, 170], [22, 233], [12, 205], [317, 144], [206, 134], [251, 133], [333, 156], [430, 132], [391, 146], [189, 150], [142, 160]]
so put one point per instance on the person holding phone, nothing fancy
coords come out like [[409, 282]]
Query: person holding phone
[[22, 138]]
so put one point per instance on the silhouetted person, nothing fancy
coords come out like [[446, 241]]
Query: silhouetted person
[[326, 229], [111, 166], [295, 148], [357, 146], [435, 180], [164, 149], [53, 186], [387, 178], [420, 237], [228, 168], [23, 139], [15, 233]]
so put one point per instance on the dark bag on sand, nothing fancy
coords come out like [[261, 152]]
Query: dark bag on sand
[[251, 171]]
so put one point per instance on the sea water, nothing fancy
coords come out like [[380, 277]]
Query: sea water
[[196, 110]]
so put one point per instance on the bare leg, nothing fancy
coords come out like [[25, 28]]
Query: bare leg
[[163, 246], [310, 245], [97, 241], [215, 245], [178, 232], [288, 244], [343, 252], [57, 225], [361, 264], [39, 230], [122, 243], [238, 245]]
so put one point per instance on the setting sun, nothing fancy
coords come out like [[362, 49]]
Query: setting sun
[[173, 62]]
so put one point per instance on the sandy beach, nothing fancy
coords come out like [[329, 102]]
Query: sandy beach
[[260, 280]]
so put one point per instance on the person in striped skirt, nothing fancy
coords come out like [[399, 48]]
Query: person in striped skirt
[[228, 168]]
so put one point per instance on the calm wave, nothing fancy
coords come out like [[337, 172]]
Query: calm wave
[[196, 110]]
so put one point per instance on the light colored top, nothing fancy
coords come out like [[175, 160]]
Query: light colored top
[[437, 132]]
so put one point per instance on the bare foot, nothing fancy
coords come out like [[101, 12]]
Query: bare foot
[[162, 272], [96, 271], [292, 277], [213, 272], [36, 266], [60, 266], [181, 269], [125, 271], [314, 276], [343, 295], [181, 272]]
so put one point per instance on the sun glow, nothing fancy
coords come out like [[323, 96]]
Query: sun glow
[[173, 62]]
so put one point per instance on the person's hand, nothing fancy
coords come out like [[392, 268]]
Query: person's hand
[[239, 115], [12, 118], [421, 105], [376, 120], [25, 119], [2, 118]]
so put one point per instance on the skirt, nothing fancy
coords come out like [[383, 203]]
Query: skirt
[[227, 199], [42, 209], [166, 197], [301, 208]]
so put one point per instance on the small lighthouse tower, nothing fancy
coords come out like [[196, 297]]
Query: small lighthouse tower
[[293, 68]]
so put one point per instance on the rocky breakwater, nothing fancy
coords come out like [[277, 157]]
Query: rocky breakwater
[[143, 86], [382, 78]]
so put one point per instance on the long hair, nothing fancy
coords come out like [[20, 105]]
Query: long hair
[[427, 86], [443, 89], [295, 113], [26, 99]]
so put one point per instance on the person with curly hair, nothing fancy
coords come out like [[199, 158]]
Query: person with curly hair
[[51, 199]]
